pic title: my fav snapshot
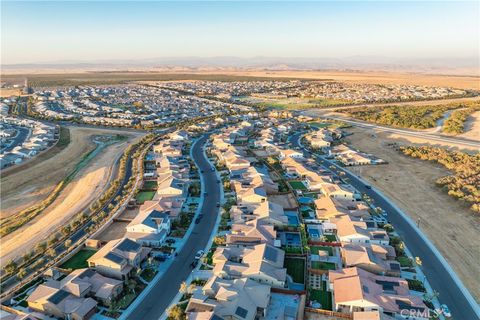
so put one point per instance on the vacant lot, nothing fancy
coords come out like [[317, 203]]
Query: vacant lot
[[287, 201], [472, 127], [88, 184], [410, 183], [114, 231]]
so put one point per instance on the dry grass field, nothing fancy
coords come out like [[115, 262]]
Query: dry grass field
[[87, 185], [374, 77], [472, 127], [463, 80], [410, 183]]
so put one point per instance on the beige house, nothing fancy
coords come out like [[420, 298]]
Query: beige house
[[356, 290], [71, 297], [251, 233], [237, 299], [262, 263], [340, 191], [370, 257], [118, 258]]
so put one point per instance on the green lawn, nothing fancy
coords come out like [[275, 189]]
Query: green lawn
[[323, 297], [323, 265], [297, 185], [296, 269], [143, 196], [150, 184], [316, 249], [79, 260], [320, 124], [404, 261], [330, 237]]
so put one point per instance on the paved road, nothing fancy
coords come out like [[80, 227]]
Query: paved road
[[429, 136], [158, 299], [439, 274], [22, 134]]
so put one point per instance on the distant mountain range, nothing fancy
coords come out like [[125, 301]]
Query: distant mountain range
[[198, 64]]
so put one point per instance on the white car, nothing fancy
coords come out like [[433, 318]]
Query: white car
[[199, 254], [445, 311]]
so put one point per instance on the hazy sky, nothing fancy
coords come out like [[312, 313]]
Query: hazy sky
[[41, 31]]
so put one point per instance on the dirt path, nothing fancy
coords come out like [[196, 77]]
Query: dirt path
[[472, 127], [410, 183], [91, 181]]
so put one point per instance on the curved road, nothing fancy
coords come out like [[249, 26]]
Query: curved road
[[167, 287], [439, 273], [429, 136]]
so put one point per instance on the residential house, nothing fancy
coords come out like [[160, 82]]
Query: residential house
[[118, 258], [149, 228]]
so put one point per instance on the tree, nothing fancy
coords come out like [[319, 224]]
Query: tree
[[183, 288], [11, 266], [51, 252], [66, 230], [68, 243], [175, 313], [21, 273]]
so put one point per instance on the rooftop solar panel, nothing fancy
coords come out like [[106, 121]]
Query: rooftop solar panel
[[241, 312], [113, 257], [58, 296]]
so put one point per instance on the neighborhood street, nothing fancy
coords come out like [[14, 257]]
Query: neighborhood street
[[440, 275], [167, 287]]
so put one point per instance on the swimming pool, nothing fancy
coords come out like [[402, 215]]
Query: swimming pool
[[305, 200], [292, 218]]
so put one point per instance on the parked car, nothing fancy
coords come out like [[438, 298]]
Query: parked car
[[445, 311], [199, 254], [202, 171], [218, 204], [213, 169], [197, 221]]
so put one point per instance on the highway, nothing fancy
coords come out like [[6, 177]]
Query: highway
[[428, 136], [167, 287], [439, 273]]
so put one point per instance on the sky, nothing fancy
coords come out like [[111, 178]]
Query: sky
[[68, 31]]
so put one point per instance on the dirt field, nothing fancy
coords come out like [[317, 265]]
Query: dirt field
[[114, 231], [410, 183], [287, 201], [472, 127], [88, 185], [28, 186]]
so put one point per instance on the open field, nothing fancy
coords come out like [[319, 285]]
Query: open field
[[463, 80], [410, 183], [292, 103], [10, 92], [468, 81], [87, 185], [472, 127], [32, 182]]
